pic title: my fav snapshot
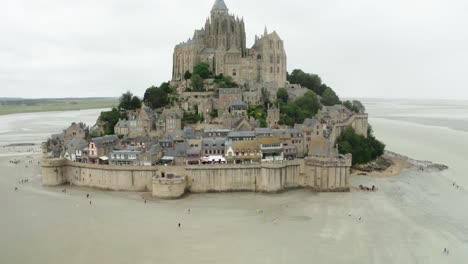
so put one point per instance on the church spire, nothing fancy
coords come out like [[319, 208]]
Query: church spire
[[266, 32], [220, 5]]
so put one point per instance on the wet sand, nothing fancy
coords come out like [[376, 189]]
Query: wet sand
[[408, 220]]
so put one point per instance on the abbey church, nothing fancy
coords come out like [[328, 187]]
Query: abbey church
[[222, 44]]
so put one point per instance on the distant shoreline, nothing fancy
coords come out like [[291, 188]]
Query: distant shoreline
[[56, 105]]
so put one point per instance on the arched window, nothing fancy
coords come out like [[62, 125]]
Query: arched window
[[259, 57]]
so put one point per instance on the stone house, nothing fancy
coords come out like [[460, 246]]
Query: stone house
[[251, 98], [292, 140], [271, 149], [170, 120], [122, 128], [75, 131], [244, 152], [239, 108], [213, 146], [310, 128], [194, 151], [273, 116], [125, 157], [152, 156], [166, 142], [176, 156], [74, 149], [101, 147], [227, 96], [141, 122]]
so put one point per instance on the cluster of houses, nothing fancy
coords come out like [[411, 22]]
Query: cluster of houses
[[150, 137]]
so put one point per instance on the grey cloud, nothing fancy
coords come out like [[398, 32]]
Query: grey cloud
[[362, 48]]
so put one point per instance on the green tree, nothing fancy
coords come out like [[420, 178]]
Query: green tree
[[155, 97], [125, 100], [135, 103], [225, 82], [166, 87], [282, 95], [303, 107], [258, 112], [214, 113], [187, 77], [310, 81], [359, 107], [363, 149], [192, 118], [197, 82], [330, 98], [355, 106], [129, 102], [202, 69], [110, 119]]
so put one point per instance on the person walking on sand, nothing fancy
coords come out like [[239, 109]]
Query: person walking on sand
[[179, 225], [87, 195], [89, 202], [16, 188]]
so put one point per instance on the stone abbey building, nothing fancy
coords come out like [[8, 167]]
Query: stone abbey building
[[222, 44]]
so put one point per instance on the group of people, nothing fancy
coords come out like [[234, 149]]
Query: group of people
[[365, 188], [455, 185], [21, 182]]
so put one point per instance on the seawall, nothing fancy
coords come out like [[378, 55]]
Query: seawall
[[320, 174]]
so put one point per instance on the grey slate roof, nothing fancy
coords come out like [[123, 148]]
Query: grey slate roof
[[105, 141], [59, 137], [75, 144], [239, 103], [122, 124], [241, 134], [213, 143], [180, 150], [311, 122], [220, 5], [263, 130]]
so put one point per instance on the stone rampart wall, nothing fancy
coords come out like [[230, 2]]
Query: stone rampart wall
[[320, 174]]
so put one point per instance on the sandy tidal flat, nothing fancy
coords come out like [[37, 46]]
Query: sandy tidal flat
[[408, 220]]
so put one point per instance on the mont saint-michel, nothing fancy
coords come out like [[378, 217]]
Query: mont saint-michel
[[232, 132], [230, 120]]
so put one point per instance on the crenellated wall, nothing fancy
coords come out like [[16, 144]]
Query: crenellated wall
[[317, 173]]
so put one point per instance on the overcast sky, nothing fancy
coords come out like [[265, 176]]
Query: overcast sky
[[361, 48]]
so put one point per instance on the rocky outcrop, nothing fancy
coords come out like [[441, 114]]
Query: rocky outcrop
[[380, 164], [391, 164]]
